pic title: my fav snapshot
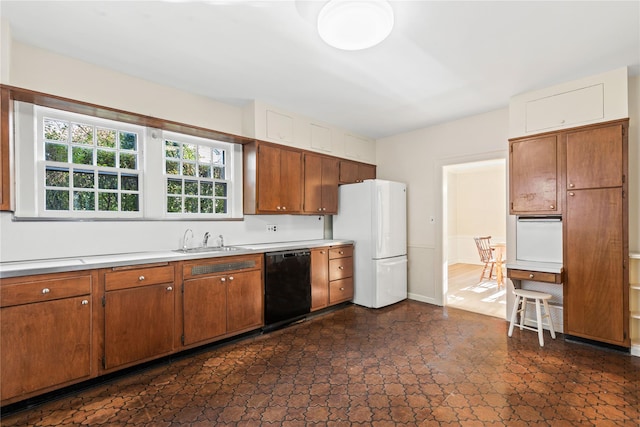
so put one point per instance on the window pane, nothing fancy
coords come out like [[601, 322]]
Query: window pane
[[191, 204], [57, 177], [174, 186], [57, 200], [56, 152], [206, 189], [106, 158], [206, 205], [188, 169], [191, 188], [84, 201], [81, 134], [130, 202], [218, 156], [128, 141], [204, 171], [129, 182], [221, 206], [107, 201], [204, 154], [218, 173], [172, 168], [221, 189], [188, 152], [83, 179], [128, 161], [108, 181], [174, 204], [172, 149], [56, 130], [106, 137], [82, 156]]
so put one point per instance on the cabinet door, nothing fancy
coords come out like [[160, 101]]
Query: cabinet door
[[319, 278], [245, 301], [268, 191], [366, 172], [595, 301], [138, 324], [205, 313], [330, 174], [533, 175], [44, 344], [348, 172], [290, 184], [594, 158], [313, 184]]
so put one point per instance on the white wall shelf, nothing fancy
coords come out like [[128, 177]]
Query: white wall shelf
[[634, 302]]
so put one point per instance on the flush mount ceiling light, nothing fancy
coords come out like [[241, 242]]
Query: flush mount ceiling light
[[355, 24]]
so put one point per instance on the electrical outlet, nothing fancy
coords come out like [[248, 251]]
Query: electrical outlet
[[272, 227]]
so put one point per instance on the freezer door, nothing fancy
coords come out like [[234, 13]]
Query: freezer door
[[390, 219], [391, 281]]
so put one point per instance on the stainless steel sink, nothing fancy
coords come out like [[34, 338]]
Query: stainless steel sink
[[208, 249]]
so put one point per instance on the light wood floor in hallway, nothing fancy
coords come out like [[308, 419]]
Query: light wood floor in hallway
[[467, 293]]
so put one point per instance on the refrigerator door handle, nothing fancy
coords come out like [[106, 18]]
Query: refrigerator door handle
[[379, 213]]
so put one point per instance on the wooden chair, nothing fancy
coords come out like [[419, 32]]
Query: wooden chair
[[486, 255]]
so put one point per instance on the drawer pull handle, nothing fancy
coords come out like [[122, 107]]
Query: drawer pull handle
[[223, 279], [141, 278], [322, 252], [169, 288], [571, 186], [531, 276], [46, 290], [84, 302], [572, 193], [340, 267], [551, 207], [342, 289], [230, 277], [341, 253]]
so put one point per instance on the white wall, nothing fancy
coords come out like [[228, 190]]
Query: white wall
[[43, 71], [418, 158]]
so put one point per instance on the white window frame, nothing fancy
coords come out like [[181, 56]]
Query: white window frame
[[30, 169]]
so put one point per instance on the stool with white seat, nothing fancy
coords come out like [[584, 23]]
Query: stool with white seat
[[520, 306]]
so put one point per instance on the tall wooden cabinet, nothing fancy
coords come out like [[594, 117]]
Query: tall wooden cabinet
[[596, 234], [320, 184]]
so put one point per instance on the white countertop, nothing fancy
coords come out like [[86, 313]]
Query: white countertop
[[545, 267], [56, 265]]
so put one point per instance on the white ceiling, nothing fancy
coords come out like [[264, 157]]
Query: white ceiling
[[443, 60]]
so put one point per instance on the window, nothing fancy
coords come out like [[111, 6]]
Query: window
[[196, 175], [89, 166], [75, 166]]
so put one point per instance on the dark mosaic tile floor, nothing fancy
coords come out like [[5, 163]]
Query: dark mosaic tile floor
[[409, 364]]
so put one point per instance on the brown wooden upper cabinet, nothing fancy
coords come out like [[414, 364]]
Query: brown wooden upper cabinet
[[273, 179], [594, 157], [534, 175], [320, 184], [352, 172]]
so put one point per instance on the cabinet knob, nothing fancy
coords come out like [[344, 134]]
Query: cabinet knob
[[552, 207], [340, 267], [571, 185], [341, 252], [84, 302], [46, 290], [531, 275], [572, 193], [342, 289], [322, 252], [230, 277], [141, 278], [223, 279], [284, 208], [169, 288], [324, 209]]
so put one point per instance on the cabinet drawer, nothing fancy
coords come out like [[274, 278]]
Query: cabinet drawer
[[341, 252], [44, 290], [340, 290], [340, 268], [536, 276], [138, 277]]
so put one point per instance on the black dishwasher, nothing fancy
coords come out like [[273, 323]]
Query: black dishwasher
[[287, 287]]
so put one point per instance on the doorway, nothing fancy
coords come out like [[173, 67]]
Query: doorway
[[474, 203]]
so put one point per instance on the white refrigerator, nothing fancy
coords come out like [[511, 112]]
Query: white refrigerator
[[373, 214]]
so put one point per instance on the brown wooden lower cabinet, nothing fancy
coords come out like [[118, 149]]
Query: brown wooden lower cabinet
[[319, 278], [331, 276], [138, 315], [45, 333], [222, 296]]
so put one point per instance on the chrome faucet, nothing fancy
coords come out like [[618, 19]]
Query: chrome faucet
[[205, 239], [184, 238], [221, 240]]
